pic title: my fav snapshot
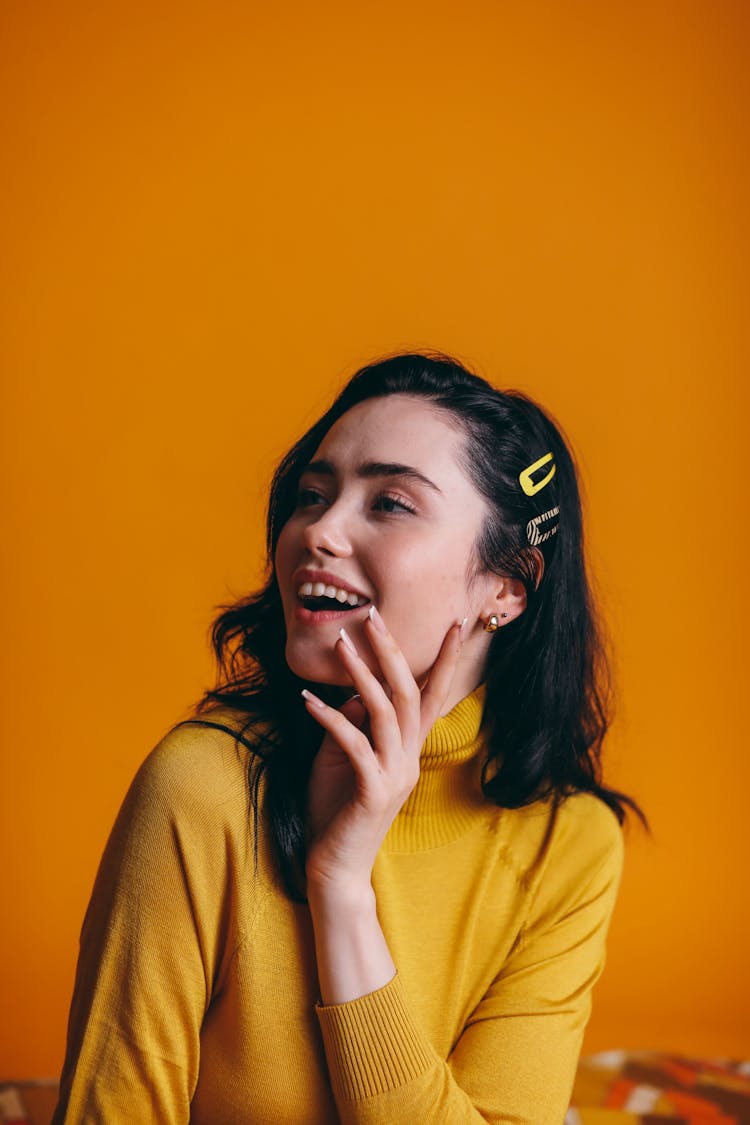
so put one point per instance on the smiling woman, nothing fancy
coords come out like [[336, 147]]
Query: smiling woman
[[370, 880]]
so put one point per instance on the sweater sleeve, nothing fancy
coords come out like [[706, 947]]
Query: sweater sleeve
[[515, 1059], [155, 941]]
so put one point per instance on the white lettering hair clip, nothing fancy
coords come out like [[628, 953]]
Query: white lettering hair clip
[[534, 535]]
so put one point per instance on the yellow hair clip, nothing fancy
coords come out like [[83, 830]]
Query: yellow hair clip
[[527, 484]]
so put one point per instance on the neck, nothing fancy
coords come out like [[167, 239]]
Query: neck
[[446, 800], [469, 675]]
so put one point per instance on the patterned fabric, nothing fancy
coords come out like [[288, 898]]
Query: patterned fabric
[[28, 1103], [652, 1088]]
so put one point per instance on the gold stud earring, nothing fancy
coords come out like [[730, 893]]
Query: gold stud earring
[[492, 624]]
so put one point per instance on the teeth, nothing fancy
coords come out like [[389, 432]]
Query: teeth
[[319, 590]]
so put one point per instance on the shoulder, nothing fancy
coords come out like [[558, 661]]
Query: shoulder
[[587, 829], [199, 765], [187, 816], [563, 847], [580, 859]]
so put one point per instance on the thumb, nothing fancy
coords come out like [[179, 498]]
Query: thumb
[[354, 710]]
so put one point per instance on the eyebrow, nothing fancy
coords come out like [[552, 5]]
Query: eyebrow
[[370, 469]]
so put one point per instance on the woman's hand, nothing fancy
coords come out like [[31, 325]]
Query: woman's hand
[[368, 762]]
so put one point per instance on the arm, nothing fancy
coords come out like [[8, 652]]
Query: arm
[[152, 948], [534, 1015], [358, 784], [515, 1059]]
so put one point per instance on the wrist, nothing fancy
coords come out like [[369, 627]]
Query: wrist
[[351, 898], [351, 951]]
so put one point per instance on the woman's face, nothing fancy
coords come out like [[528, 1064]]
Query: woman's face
[[385, 511]]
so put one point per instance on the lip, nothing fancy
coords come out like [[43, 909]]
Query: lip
[[308, 617], [306, 575]]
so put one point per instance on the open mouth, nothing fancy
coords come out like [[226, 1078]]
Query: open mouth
[[318, 605], [329, 599]]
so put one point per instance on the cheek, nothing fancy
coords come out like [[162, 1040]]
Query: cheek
[[441, 584], [423, 607]]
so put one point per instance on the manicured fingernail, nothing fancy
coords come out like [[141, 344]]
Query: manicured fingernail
[[312, 698], [376, 619], [463, 631], [348, 641]]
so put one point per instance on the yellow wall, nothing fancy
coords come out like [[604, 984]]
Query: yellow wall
[[213, 213]]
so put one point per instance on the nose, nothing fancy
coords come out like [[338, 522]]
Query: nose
[[326, 534]]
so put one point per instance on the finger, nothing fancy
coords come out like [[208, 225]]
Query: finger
[[383, 722], [440, 679], [355, 711], [404, 691], [352, 741]]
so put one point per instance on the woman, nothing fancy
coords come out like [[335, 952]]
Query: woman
[[371, 879]]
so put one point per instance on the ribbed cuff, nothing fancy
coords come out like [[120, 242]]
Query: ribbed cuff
[[372, 1044]]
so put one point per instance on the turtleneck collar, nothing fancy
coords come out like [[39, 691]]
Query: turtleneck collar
[[444, 803]]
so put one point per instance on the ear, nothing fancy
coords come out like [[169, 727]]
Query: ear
[[507, 596], [509, 600]]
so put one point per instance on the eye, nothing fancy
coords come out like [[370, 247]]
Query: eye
[[393, 504], [308, 496]]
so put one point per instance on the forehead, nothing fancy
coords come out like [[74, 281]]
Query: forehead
[[397, 428]]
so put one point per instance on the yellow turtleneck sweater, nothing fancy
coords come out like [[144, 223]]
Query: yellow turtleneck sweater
[[196, 995]]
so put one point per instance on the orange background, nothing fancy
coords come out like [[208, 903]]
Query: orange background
[[213, 213]]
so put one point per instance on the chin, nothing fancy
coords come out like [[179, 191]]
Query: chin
[[310, 667]]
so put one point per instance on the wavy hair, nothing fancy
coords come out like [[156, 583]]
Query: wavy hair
[[548, 699]]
